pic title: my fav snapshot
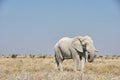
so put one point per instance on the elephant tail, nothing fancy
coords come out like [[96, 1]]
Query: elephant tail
[[58, 54]]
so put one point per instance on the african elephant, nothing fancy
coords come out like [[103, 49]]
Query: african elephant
[[74, 48]]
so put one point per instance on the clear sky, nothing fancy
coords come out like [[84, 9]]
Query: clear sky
[[34, 26]]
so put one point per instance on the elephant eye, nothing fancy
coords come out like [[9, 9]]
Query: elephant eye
[[87, 44]]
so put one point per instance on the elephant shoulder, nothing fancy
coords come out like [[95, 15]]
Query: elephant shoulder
[[64, 39], [60, 41]]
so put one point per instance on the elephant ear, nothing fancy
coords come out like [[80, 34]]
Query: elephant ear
[[77, 45]]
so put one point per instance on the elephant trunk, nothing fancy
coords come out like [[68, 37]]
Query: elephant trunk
[[91, 57]]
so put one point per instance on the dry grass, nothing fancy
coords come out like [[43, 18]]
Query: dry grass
[[45, 69]]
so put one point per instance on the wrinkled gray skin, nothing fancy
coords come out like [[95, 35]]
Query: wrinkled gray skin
[[74, 48]]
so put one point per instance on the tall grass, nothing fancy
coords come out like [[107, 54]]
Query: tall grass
[[45, 69]]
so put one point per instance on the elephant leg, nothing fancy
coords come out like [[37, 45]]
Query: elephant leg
[[83, 64], [59, 63], [60, 66], [76, 62], [84, 55], [59, 59]]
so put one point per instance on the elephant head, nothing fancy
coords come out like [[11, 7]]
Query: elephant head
[[87, 44]]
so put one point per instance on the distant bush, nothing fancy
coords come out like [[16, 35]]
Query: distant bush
[[32, 56], [43, 56], [108, 57], [13, 55], [118, 55], [98, 57]]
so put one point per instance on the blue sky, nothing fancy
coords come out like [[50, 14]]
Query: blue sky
[[34, 26]]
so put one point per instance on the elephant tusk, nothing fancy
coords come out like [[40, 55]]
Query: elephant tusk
[[96, 50]]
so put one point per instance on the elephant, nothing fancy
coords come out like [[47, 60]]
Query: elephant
[[74, 48]]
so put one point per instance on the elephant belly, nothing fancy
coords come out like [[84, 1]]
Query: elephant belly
[[67, 57], [66, 54]]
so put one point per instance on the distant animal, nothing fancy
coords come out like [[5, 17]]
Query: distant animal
[[74, 48]]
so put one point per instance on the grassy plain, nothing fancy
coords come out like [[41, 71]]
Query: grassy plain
[[44, 69]]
